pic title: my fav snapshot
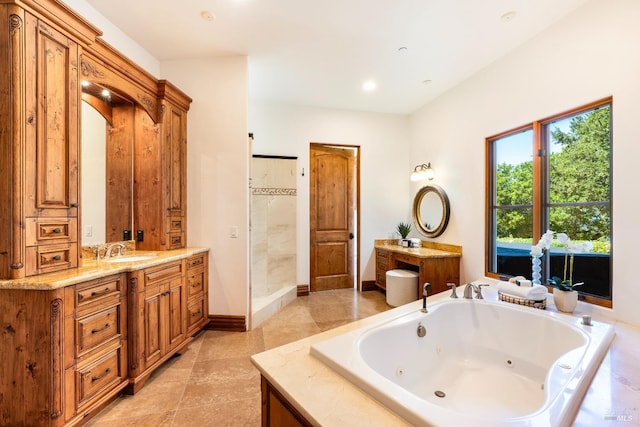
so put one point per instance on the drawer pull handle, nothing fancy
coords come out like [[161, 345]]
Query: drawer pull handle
[[95, 331], [56, 258], [196, 285], [57, 230], [102, 292], [99, 377], [197, 313]]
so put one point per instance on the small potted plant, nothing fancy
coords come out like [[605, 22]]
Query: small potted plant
[[564, 296], [403, 228]]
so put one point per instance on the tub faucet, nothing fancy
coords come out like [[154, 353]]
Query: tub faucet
[[425, 289], [119, 246], [468, 290], [472, 287]]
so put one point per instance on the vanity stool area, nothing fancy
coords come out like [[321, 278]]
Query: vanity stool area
[[436, 263], [72, 341]]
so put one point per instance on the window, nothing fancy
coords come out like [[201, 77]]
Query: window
[[553, 174]]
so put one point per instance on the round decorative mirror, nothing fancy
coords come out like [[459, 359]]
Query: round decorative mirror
[[431, 210]]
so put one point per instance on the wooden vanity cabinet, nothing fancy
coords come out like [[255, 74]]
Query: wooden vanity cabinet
[[63, 352], [437, 267], [39, 137], [157, 322]]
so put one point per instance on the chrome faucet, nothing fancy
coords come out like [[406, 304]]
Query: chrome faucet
[[118, 246], [468, 290], [472, 287], [425, 289]]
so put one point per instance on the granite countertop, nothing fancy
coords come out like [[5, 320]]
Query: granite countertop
[[91, 269], [324, 397], [427, 250]]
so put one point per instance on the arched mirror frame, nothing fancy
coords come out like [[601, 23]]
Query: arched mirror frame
[[417, 204]]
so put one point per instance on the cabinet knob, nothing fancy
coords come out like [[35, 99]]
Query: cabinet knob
[[74, 205]]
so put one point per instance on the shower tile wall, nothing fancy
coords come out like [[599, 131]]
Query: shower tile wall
[[273, 225]]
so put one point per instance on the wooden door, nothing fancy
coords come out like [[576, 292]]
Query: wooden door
[[333, 212]]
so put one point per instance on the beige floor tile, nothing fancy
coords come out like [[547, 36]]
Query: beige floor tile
[[213, 383], [221, 345], [246, 412]]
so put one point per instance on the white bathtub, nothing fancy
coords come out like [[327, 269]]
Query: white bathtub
[[481, 363]]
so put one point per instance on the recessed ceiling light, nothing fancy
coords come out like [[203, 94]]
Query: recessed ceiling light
[[369, 86], [508, 16], [403, 50], [85, 83], [207, 16], [105, 93]]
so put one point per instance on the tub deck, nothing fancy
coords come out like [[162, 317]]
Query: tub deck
[[326, 398]]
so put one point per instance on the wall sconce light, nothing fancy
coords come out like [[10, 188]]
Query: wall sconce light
[[421, 172]]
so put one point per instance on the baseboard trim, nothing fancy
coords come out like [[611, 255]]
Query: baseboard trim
[[303, 290], [369, 285], [227, 323]]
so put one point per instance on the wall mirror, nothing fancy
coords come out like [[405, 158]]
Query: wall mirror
[[107, 131], [431, 210]]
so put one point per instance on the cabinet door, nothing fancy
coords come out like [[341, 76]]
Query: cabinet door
[[176, 315], [52, 123], [175, 129], [154, 343]]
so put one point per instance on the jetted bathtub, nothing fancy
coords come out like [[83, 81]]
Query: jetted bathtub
[[480, 363]]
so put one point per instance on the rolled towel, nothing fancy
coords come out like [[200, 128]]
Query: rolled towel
[[535, 292]]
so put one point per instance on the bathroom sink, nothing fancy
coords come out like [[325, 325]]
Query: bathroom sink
[[130, 258]]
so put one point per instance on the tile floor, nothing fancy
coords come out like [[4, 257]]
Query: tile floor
[[214, 383]]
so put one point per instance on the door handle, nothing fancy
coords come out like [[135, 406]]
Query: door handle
[[351, 236]]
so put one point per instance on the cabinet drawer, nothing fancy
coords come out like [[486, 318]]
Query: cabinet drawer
[[176, 225], [49, 258], [381, 277], [176, 241], [95, 330], [163, 272], [195, 284], [106, 290], [382, 257], [196, 261], [195, 313], [407, 259], [99, 376], [51, 230]]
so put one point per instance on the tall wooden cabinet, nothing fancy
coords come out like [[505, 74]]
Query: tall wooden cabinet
[[39, 136], [160, 172]]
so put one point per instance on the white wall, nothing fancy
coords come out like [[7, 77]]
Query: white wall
[[385, 166], [217, 172], [589, 55]]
